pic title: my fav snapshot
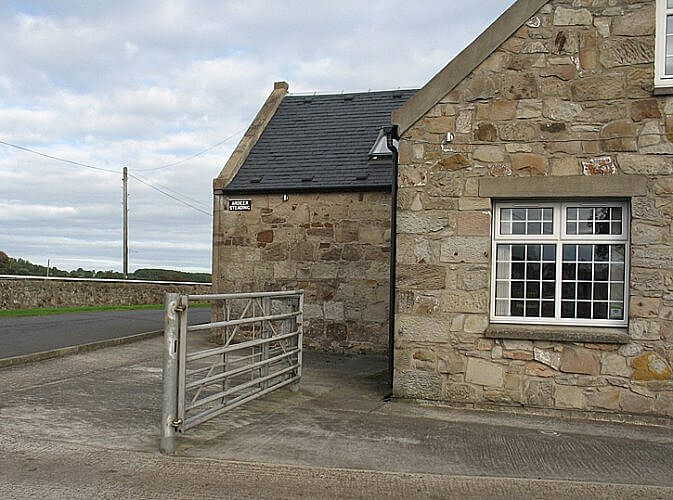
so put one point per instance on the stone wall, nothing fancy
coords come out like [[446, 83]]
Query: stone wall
[[30, 293], [335, 246], [569, 94]]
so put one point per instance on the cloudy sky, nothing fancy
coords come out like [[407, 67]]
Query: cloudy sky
[[148, 84]]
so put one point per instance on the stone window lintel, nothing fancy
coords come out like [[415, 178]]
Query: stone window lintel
[[596, 335], [624, 186]]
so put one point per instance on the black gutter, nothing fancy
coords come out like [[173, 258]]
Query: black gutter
[[306, 189], [392, 135]]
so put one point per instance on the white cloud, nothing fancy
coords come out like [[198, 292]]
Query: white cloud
[[146, 84], [25, 212]]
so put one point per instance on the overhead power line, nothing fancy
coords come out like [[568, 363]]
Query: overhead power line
[[174, 192], [193, 156], [170, 195], [76, 163]]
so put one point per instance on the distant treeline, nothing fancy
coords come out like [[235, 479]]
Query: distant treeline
[[10, 265]]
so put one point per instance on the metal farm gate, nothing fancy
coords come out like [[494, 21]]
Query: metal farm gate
[[260, 337]]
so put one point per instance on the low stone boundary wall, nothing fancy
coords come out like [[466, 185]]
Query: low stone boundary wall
[[22, 293]]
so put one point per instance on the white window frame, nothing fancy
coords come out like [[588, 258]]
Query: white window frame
[[661, 79], [559, 238]]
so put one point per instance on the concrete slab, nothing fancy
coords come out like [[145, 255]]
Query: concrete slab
[[110, 401]]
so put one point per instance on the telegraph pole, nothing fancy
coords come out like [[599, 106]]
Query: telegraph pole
[[125, 180]]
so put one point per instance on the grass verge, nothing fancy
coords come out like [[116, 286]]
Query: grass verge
[[44, 311]]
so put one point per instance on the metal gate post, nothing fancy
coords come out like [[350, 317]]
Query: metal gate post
[[170, 375], [296, 325], [266, 333]]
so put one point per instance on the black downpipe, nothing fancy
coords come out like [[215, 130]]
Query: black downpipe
[[392, 135]]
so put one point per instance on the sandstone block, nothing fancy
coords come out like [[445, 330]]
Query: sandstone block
[[538, 393], [579, 360], [548, 357], [614, 364], [567, 396], [486, 132], [607, 86], [503, 110], [484, 373], [529, 108], [475, 323], [644, 307], [465, 249], [458, 392], [421, 385], [556, 109], [518, 131], [489, 154], [518, 85], [473, 223], [618, 135], [636, 23], [426, 221], [452, 162], [520, 355], [572, 17], [645, 164], [650, 366], [644, 109], [635, 403], [423, 329], [567, 165], [644, 329], [480, 87], [450, 362], [421, 277], [624, 51], [529, 164], [603, 399]]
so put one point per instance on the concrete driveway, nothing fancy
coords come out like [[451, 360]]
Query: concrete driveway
[[88, 424]]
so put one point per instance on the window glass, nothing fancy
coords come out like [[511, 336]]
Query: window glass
[[525, 221], [525, 280], [594, 220], [572, 277], [669, 45], [592, 283]]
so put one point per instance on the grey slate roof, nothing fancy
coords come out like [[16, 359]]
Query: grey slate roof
[[321, 142]]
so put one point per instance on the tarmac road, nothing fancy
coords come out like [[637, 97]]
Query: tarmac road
[[31, 334]]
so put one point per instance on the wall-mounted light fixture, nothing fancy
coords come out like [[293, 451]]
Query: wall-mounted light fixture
[[286, 197], [446, 142]]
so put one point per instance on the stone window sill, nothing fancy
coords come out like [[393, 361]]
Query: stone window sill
[[663, 89], [558, 333]]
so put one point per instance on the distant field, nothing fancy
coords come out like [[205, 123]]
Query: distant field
[[43, 311]]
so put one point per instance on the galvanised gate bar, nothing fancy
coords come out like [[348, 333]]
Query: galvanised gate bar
[[261, 351]]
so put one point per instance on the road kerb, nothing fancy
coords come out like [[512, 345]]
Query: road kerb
[[75, 349]]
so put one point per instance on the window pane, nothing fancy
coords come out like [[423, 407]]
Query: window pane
[[520, 279], [548, 309], [594, 220], [517, 308], [526, 221], [669, 4], [616, 310], [600, 310], [584, 309], [593, 287], [533, 290]]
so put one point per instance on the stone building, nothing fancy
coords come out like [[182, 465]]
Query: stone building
[[535, 208], [304, 202]]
